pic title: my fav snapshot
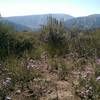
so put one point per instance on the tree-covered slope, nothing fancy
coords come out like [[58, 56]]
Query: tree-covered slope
[[84, 23]]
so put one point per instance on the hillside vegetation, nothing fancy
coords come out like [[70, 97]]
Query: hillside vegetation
[[52, 64]]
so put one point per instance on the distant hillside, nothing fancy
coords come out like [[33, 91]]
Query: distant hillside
[[84, 23], [16, 27], [35, 21]]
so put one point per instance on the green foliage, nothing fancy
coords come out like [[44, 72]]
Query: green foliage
[[83, 45], [54, 36], [97, 70], [16, 43], [90, 87], [19, 71], [59, 65], [96, 41], [5, 40]]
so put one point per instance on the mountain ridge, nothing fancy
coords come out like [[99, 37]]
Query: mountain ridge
[[85, 22], [34, 22]]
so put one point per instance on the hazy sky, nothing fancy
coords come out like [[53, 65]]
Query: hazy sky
[[29, 7]]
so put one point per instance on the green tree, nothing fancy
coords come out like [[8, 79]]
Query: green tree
[[5, 39], [54, 35]]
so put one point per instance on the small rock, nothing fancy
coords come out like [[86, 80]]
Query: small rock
[[50, 91], [8, 98], [87, 86], [8, 78], [77, 91], [1, 66], [90, 88], [7, 81], [98, 61], [87, 91], [18, 92], [98, 78], [75, 83]]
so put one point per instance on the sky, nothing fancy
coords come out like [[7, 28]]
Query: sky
[[75, 8]]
